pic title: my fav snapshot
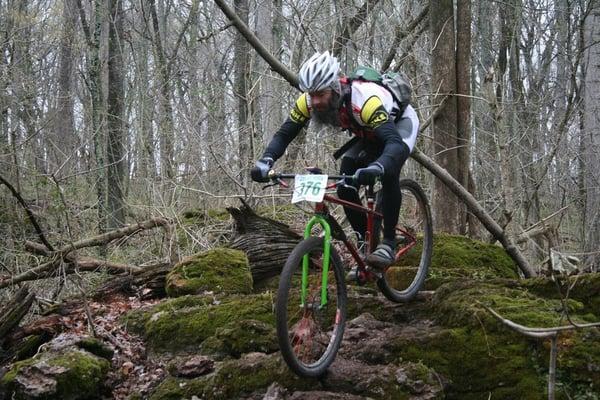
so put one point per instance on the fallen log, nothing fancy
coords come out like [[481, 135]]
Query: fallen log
[[149, 283], [266, 242], [13, 312], [74, 262]]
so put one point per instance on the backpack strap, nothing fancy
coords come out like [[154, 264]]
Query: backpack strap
[[346, 115]]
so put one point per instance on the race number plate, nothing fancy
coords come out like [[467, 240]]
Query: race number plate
[[309, 188]]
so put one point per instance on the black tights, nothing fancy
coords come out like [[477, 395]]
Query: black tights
[[391, 200]]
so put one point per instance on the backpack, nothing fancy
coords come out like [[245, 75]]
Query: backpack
[[395, 82]]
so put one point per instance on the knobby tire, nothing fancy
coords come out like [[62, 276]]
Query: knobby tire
[[408, 291], [288, 304]]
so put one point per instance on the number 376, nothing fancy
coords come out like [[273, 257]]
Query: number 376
[[306, 187]]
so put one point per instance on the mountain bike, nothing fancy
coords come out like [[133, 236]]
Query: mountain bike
[[311, 298]]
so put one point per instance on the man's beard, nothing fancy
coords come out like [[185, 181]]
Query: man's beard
[[331, 116]]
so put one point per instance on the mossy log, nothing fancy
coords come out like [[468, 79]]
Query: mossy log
[[13, 312], [266, 242]]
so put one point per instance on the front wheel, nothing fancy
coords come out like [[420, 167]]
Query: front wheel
[[310, 326], [414, 233]]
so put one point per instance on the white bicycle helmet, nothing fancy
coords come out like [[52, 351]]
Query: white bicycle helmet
[[319, 72]]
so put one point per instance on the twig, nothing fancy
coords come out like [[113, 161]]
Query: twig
[[538, 332], [542, 333], [275, 64], [401, 34], [34, 222], [84, 263], [352, 25]]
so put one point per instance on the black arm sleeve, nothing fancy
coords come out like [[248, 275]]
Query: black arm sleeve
[[282, 138], [395, 151]]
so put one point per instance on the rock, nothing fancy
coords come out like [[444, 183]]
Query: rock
[[320, 395], [239, 337], [219, 270], [186, 322], [275, 392], [191, 367], [480, 356], [346, 379], [63, 370], [382, 382], [458, 257], [236, 378]]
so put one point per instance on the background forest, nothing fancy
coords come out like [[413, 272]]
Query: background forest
[[112, 112]]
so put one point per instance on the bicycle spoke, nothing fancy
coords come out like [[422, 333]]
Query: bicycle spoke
[[404, 278], [309, 344]]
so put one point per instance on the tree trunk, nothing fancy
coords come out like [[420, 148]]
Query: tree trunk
[[591, 136], [242, 67], [24, 81], [463, 103], [145, 142], [166, 129], [115, 151], [98, 117], [64, 139], [443, 66]]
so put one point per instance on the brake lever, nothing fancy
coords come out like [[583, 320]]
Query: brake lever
[[345, 185], [276, 181], [270, 185]]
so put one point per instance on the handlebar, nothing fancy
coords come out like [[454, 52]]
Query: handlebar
[[274, 176], [340, 180]]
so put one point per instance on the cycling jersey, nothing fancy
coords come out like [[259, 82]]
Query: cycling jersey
[[372, 116]]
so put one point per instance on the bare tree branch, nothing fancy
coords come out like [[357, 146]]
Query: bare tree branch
[[352, 25], [82, 263], [401, 34], [30, 215], [477, 210], [277, 66]]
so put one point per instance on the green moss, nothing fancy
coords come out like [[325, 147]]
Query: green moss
[[584, 288], [200, 216], [86, 374], [135, 320], [241, 337], [176, 389], [462, 303], [494, 359], [234, 379], [458, 257], [220, 270], [579, 358], [186, 324], [29, 346], [96, 347], [477, 362], [82, 378]]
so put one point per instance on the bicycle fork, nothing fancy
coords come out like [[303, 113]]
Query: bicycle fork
[[317, 219]]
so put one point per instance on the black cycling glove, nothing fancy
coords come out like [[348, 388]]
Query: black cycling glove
[[368, 175], [260, 171]]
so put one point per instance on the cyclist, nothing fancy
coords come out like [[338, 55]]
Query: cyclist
[[387, 133]]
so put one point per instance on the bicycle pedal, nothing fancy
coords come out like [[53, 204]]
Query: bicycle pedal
[[352, 274], [356, 276], [376, 273]]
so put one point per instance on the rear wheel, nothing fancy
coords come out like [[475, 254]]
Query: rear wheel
[[310, 333], [414, 234]]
